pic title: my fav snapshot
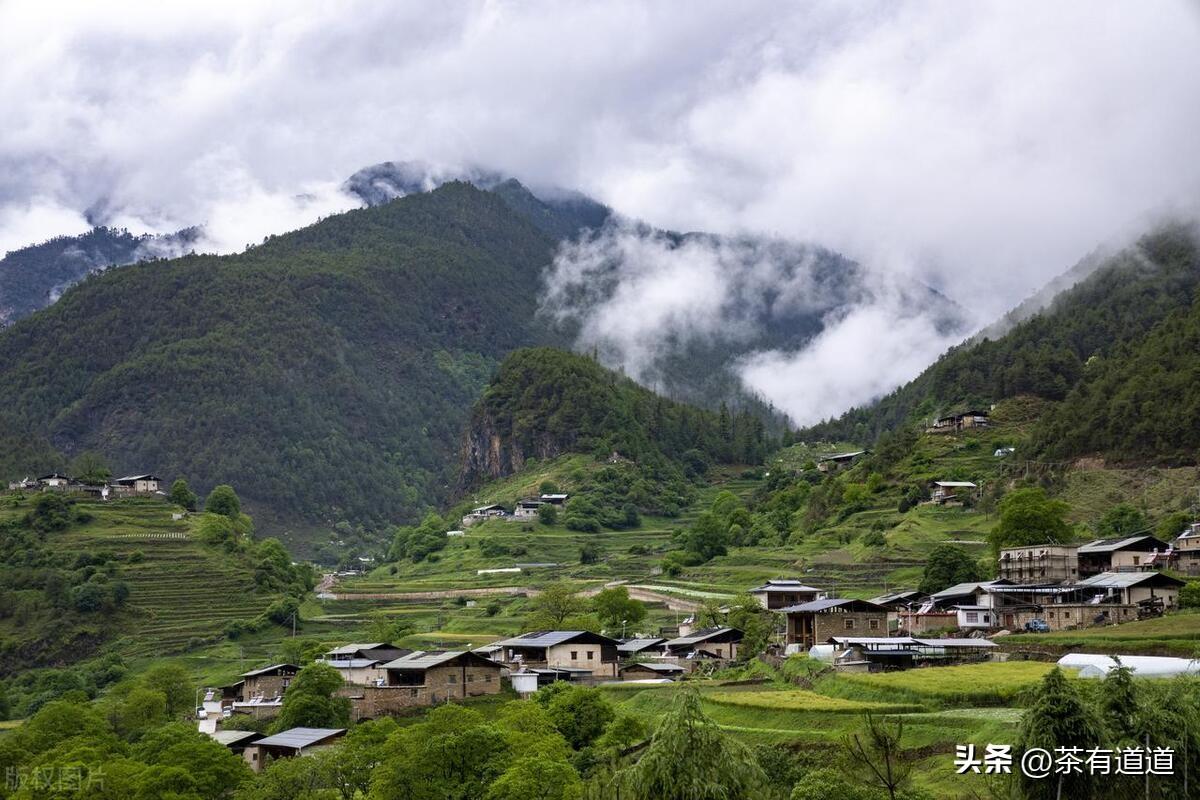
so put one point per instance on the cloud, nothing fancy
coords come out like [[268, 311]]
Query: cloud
[[980, 148]]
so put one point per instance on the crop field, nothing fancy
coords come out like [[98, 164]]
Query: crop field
[[992, 683], [1174, 634], [804, 700]]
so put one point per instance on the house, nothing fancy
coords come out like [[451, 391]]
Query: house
[[23, 485], [268, 683], [839, 461], [1187, 550], [555, 499], [236, 741], [631, 648], [527, 509], [952, 492], [1040, 563], [897, 603], [969, 617], [54, 481], [1128, 553], [640, 671], [360, 664], [562, 649], [1134, 588], [857, 653], [423, 678], [714, 642], [820, 620], [482, 514], [977, 593], [781, 593], [290, 743], [136, 484], [527, 681], [956, 423]]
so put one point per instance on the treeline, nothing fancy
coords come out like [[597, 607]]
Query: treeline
[[1097, 329]]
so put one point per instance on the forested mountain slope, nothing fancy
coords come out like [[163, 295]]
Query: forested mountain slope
[[327, 373], [1106, 346], [545, 402]]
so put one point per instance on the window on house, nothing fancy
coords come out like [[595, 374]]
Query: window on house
[[972, 616], [874, 624], [591, 654], [451, 679], [470, 677], [574, 655], [487, 678], [412, 692], [1136, 560], [849, 624]]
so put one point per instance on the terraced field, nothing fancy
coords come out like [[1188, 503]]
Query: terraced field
[[181, 592]]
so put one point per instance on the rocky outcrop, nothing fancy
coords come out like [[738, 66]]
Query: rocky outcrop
[[490, 451]]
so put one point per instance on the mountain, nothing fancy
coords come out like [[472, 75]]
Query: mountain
[[1111, 351], [544, 403], [327, 373], [36, 276]]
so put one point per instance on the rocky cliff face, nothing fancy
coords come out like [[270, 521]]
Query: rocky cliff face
[[489, 450]]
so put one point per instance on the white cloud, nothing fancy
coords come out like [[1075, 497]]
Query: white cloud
[[980, 147]]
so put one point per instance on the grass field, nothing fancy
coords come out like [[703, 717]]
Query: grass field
[[1174, 634], [804, 700]]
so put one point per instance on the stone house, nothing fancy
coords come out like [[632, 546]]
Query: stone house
[[818, 621], [267, 683], [783, 592], [720, 643], [136, 484], [956, 423], [1132, 588], [1187, 550], [561, 649], [1039, 563], [1125, 554], [290, 743]]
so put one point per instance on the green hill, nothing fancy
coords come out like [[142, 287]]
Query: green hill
[[326, 373], [1110, 347]]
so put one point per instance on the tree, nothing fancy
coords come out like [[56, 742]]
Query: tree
[[51, 512], [223, 500], [548, 487], [91, 468], [1058, 717], [310, 702], [945, 566], [537, 778], [589, 553], [554, 606], [580, 713], [173, 680], [756, 623], [691, 758], [1172, 525], [182, 495], [547, 513], [1028, 517], [384, 628], [880, 751], [1122, 520], [615, 608], [1189, 595]]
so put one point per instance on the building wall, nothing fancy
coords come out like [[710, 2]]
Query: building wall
[[560, 655], [1136, 594], [913, 623], [441, 684], [1039, 564], [808, 629], [266, 685], [976, 618], [361, 676]]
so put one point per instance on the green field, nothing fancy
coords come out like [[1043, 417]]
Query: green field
[[804, 700], [992, 683]]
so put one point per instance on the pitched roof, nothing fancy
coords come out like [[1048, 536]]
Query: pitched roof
[[701, 636], [896, 597], [425, 659], [300, 737], [351, 649], [816, 606], [970, 587], [551, 638], [1123, 580], [352, 663], [784, 585], [228, 738], [132, 478], [634, 645], [654, 666], [271, 668], [956, 484], [843, 456], [1112, 545]]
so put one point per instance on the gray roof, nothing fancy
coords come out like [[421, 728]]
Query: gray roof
[[549, 638], [132, 478], [826, 604], [422, 659], [352, 663], [841, 456], [956, 484], [228, 738], [300, 737], [271, 668], [1112, 545], [901, 642], [784, 586], [700, 636], [970, 587], [1123, 580], [895, 597], [655, 667], [634, 645], [350, 649]]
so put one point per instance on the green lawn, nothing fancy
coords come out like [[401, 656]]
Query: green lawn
[[992, 683]]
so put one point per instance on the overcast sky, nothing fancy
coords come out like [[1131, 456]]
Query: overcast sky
[[982, 147]]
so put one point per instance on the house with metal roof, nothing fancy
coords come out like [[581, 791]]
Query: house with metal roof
[[290, 743], [708, 642], [1134, 588], [360, 663], [629, 648], [957, 423], [555, 649], [817, 621], [947, 492], [236, 741], [900, 652], [136, 484], [651, 670], [1139, 553], [839, 461], [267, 683], [782, 592]]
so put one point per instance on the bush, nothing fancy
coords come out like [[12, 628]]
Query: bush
[[589, 554], [1189, 595], [51, 512], [223, 500], [547, 514]]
